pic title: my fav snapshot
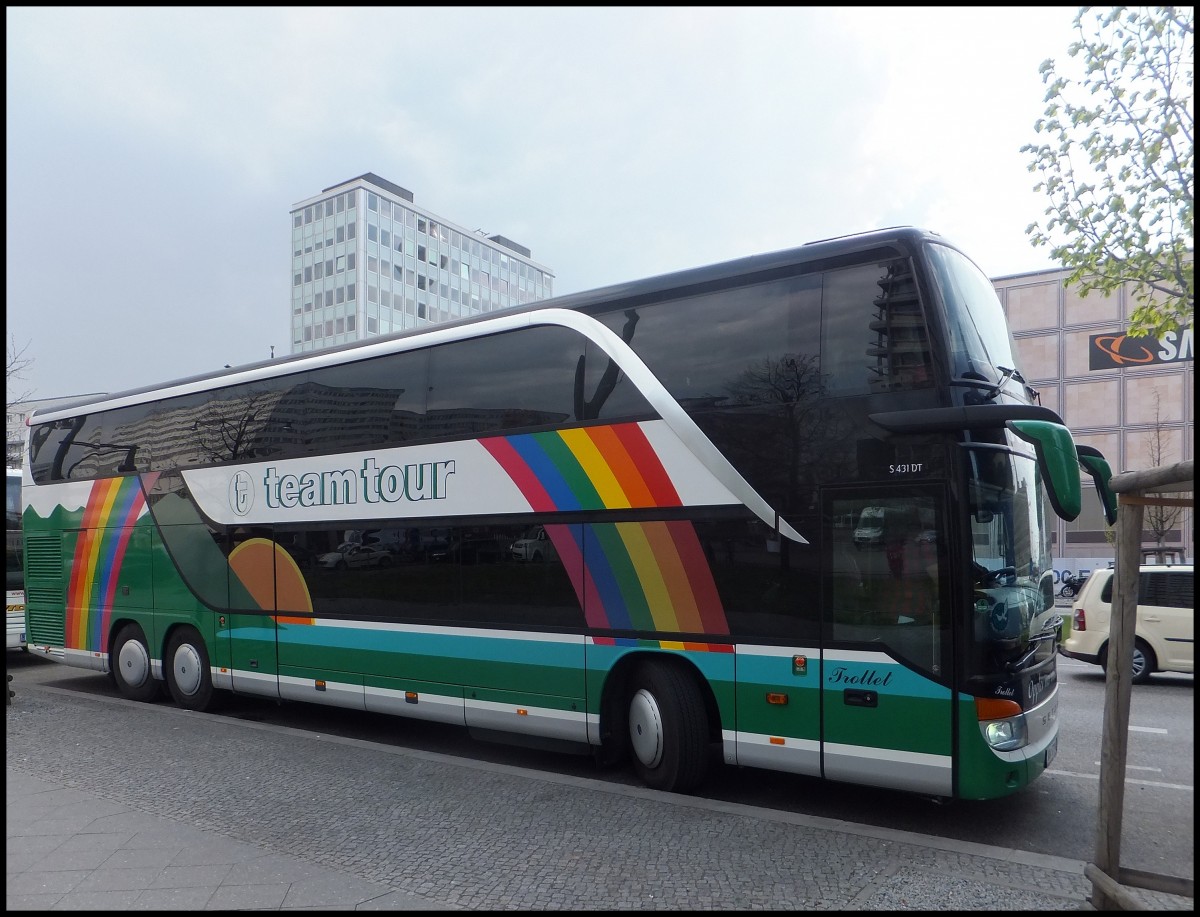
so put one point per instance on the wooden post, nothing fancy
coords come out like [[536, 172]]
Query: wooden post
[[1117, 686], [1131, 488]]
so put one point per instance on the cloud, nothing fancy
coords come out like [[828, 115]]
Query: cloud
[[154, 153]]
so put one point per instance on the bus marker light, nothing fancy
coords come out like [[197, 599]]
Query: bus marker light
[[411, 697], [320, 685], [991, 708], [799, 665], [775, 698], [777, 740], [521, 711]]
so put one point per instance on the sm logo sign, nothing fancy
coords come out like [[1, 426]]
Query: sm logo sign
[[1113, 351]]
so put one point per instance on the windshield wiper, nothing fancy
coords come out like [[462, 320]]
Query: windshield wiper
[[1048, 633], [1005, 374]]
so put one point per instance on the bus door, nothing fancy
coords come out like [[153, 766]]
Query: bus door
[[885, 667], [261, 592]]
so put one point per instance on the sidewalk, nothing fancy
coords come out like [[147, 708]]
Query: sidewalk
[[70, 849], [116, 805]]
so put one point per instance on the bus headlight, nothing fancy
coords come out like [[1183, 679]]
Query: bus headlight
[[1005, 735]]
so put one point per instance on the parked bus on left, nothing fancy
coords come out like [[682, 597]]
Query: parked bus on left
[[15, 578]]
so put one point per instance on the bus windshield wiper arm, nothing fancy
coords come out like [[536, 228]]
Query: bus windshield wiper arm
[[1005, 374], [1048, 633]]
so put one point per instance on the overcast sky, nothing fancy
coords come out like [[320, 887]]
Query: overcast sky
[[154, 154]]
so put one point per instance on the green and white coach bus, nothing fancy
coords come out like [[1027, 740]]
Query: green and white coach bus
[[694, 449]]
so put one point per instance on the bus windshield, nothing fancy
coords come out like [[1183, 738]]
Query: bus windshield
[[1013, 578], [980, 341]]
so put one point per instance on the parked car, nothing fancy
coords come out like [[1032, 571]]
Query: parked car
[[350, 555], [396, 540], [534, 546], [869, 530], [468, 550], [1165, 630]]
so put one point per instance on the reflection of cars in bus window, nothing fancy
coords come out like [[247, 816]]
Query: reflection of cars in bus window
[[356, 555], [535, 546], [870, 527]]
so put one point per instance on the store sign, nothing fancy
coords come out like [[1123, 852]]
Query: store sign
[[1113, 351]]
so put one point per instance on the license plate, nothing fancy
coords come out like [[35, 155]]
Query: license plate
[[1051, 751]]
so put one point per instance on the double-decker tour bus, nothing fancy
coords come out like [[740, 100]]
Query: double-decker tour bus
[[682, 464]]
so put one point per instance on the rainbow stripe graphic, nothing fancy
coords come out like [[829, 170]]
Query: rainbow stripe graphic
[[663, 644], [113, 506], [606, 467], [649, 576], [627, 575]]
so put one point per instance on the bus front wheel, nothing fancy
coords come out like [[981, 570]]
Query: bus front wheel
[[129, 659], [188, 674], [668, 731]]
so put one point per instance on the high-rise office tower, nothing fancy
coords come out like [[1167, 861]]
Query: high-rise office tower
[[366, 261]]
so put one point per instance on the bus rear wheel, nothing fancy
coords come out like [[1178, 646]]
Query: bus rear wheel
[[668, 730], [188, 674], [129, 660]]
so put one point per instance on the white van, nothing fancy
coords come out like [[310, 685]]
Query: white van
[[534, 546], [1165, 630], [869, 530]]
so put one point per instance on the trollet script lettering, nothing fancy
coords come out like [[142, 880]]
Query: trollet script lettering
[[372, 484], [841, 675]]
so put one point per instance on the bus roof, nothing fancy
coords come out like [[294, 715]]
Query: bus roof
[[628, 293]]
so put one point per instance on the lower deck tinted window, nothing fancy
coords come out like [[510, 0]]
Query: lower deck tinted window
[[463, 575]]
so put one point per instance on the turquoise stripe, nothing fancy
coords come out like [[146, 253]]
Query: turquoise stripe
[[901, 681], [457, 646]]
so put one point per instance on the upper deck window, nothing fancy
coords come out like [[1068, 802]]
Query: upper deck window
[[847, 331]]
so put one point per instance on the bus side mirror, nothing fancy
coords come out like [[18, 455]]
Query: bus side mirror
[[1094, 463], [1058, 461]]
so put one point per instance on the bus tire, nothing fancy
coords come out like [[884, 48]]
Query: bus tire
[[129, 661], [188, 674], [668, 730]]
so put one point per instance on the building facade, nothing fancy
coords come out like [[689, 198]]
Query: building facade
[[366, 261], [1132, 399]]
